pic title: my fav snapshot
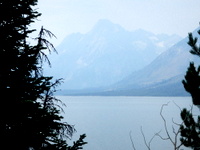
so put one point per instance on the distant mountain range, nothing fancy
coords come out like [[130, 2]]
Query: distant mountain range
[[162, 77], [112, 60]]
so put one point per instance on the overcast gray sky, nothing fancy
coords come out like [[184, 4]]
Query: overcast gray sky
[[64, 17]]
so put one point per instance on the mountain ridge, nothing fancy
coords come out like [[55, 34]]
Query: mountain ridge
[[162, 77], [99, 59]]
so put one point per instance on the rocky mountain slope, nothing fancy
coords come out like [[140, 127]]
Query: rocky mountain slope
[[105, 55], [163, 76]]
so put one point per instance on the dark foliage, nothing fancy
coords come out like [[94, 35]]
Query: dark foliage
[[193, 43], [192, 83], [192, 77], [190, 129], [78, 144], [29, 117]]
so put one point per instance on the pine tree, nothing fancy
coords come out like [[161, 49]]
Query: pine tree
[[29, 118], [192, 77], [190, 129]]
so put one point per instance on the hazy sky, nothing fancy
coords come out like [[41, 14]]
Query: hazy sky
[[63, 17]]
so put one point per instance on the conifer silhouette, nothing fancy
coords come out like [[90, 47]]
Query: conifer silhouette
[[29, 118]]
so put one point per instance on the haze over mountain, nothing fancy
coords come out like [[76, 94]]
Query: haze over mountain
[[163, 76], [105, 55]]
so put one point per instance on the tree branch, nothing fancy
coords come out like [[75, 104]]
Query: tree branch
[[133, 146], [148, 145], [176, 133]]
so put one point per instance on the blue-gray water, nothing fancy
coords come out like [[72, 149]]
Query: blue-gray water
[[108, 121]]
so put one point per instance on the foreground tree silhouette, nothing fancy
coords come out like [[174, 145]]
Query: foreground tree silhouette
[[29, 118], [190, 129]]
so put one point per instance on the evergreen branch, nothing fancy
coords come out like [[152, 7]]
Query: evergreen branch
[[193, 43], [79, 143]]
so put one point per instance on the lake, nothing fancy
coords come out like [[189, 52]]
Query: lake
[[109, 121]]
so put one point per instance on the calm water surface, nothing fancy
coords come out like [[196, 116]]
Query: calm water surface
[[108, 121]]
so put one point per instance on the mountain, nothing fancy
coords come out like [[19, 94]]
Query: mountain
[[105, 55], [163, 76]]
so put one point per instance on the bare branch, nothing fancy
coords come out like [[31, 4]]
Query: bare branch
[[148, 145], [178, 124], [133, 146], [145, 141], [176, 133], [158, 134], [165, 123], [177, 106]]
